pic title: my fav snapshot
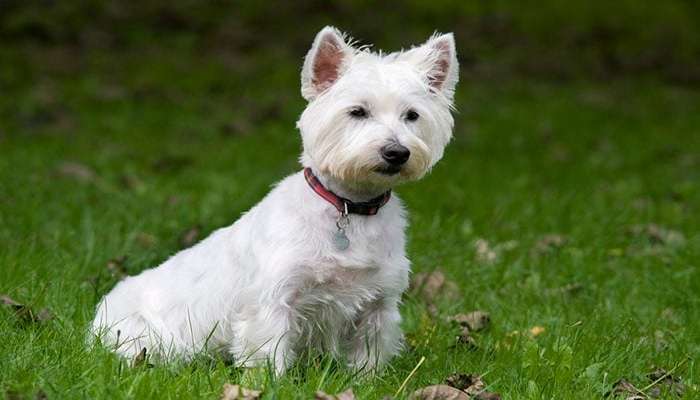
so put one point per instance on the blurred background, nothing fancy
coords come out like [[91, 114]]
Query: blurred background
[[229, 50]]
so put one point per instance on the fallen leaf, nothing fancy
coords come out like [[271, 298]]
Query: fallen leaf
[[146, 239], [141, 359], [472, 385], [657, 235], [468, 383], [475, 320], [432, 285], [116, 267], [465, 338], [487, 396], [549, 243], [439, 392], [346, 395], [25, 313], [666, 380], [77, 171], [536, 331], [236, 392], [624, 388], [190, 236], [484, 253]]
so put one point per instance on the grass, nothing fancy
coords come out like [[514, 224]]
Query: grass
[[168, 140]]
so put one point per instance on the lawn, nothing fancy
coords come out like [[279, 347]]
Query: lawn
[[569, 211]]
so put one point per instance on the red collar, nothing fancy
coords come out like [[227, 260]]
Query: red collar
[[344, 205]]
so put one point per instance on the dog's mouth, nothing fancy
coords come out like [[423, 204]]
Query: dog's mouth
[[388, 169]]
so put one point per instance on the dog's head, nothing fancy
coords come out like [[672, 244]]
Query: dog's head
[[373, 119]]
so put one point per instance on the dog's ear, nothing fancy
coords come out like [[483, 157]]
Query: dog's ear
[[325, 62], [437, 60]]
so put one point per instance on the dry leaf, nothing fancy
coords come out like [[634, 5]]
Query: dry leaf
[[657, 235], [146, 239], [536, 331], [465, 338], [624, 388], [469, 383], [671, 383], [434, 284], [484, 253], [25, 313], [475, 320], [472, 385], [141, 359], [236, 392], [346, 395], [190, 236], [439, 392], [116, 267], [77, 171], [549, 244]]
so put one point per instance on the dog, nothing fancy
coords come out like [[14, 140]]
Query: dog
[[319, 264]]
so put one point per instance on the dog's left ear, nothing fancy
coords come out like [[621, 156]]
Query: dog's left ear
[[325, 62], [437, 61]]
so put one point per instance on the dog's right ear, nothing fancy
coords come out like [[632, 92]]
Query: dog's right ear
[[325, 62]]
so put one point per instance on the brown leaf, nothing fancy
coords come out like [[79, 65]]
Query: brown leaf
[[469, 383], [146, 239], [536, 331], [141, 359], [671, 383], [472, 385], [484, 252], [475, 320], [465, 338], [25, 313], [657, 235], [237, 392], [190, 236], [346, 395], [432, 285], [439, 392], [116, 267], [77, 171], [549, 243], [487, 396], [624, 388]]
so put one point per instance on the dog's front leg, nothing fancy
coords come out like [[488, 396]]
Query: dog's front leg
[[266, 339], [377, 336]]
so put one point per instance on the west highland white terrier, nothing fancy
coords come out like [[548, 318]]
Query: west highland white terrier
[[319, 263]]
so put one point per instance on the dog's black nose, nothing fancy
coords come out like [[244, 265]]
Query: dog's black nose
[[395, 154]]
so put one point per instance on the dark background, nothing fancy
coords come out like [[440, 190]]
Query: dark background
[[548, 39]]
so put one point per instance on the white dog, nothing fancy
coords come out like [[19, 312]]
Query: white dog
[[319, 263]]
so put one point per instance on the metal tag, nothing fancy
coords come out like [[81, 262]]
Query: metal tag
[[340, 239]]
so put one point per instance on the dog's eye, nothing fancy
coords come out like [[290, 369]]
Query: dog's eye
[[412, 115], [358, 112]]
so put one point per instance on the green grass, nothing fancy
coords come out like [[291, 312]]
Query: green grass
[[176, 140]]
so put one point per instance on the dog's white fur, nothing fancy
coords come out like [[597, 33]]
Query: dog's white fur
[[272, 284]]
